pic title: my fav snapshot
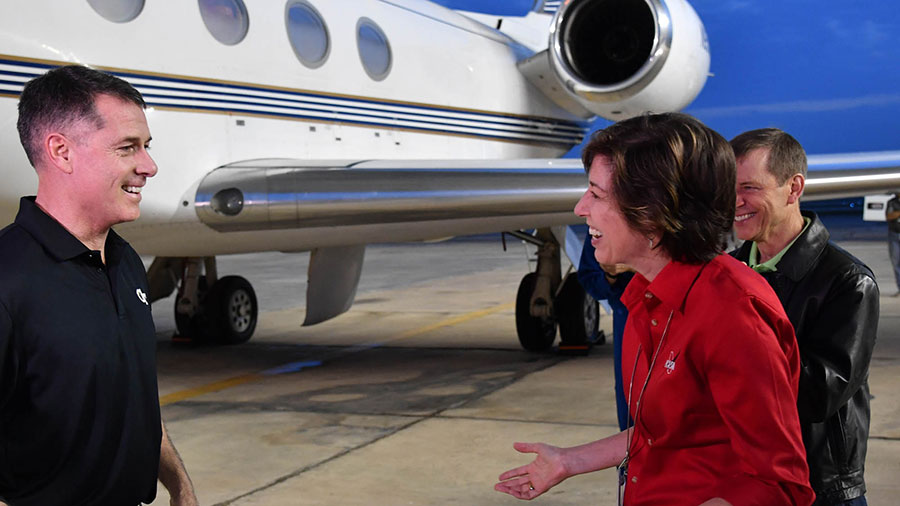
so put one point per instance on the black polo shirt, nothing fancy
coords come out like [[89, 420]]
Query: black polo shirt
[[79, 406]]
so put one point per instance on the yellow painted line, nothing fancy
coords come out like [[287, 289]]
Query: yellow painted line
[[210, 388], [453, 321], [189, 393]]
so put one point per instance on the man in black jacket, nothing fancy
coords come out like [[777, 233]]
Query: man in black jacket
[[831, 299]]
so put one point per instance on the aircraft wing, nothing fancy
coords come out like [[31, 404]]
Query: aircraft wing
[[290, 194], [852, 175], [482, 196]]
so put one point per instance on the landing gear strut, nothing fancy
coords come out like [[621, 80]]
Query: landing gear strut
[[535, 317]]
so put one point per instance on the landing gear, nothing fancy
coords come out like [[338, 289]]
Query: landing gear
[[535, 320], [578, 314], [207, 309], [544, 301]]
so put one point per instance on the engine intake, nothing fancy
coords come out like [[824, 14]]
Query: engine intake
[[609, 42], [622, 58]]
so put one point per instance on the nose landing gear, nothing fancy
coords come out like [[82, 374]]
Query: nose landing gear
[[545, 301]]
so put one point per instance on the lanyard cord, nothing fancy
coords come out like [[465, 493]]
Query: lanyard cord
[[637, 408], [623, 466]]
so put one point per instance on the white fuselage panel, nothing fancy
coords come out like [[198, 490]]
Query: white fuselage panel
[[453, 91]]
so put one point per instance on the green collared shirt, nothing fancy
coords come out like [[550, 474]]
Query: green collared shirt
[[769, 265]]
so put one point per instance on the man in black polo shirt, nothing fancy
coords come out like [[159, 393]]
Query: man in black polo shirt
[[79, 407]]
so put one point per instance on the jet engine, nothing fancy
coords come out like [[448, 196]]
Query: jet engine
[[622, 58]]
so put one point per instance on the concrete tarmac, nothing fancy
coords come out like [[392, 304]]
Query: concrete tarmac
[[416, 395]]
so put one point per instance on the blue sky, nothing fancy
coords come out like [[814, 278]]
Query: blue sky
[[826, 71]]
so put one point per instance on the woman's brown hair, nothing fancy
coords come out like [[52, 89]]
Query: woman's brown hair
[[673, 177]]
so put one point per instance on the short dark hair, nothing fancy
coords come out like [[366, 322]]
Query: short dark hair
[[786, 155], [674, 176], [64, 96]]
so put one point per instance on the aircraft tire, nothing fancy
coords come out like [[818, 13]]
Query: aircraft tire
[[535, 334], [577, 312], [231, 310]]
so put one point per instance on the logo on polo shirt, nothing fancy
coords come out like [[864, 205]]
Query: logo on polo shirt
[[142, 296], [670, 364]]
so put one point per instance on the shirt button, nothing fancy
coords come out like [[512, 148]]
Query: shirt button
[[648, 295], [650, 441], [654, 322], [634, 479]]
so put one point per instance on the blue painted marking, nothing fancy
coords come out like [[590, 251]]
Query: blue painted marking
[[292, 367], [329, 116], [29, 75], [581, 125], [11, 83], [576, 126], [26, 64], [551, 130], [552, 139]]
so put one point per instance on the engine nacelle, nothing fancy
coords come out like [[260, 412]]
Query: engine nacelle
[[622, 58]]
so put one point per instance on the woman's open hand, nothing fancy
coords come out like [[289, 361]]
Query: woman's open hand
[[542, 474]]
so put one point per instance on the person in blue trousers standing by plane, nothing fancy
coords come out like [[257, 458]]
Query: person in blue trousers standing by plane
[[608, 282]]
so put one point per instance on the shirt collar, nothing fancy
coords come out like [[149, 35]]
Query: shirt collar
[[771, 265], [802, 256], [58, 241], [670, 287]]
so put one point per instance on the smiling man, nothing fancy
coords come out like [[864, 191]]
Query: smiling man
[[830, 298], [79, 406]]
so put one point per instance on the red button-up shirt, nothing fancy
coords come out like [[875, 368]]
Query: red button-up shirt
[[718, 417]]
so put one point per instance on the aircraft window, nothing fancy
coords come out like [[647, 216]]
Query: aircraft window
[[307, 33], [374, 49], [117, 11], [226, 20]]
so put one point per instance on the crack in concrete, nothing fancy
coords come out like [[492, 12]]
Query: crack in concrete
[[436, 415]]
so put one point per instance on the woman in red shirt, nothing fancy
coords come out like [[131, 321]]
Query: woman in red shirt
[[709, 358]]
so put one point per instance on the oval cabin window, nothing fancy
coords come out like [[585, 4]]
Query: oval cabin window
[[307, 33], [374, 49], [117, 11], [226, 20]]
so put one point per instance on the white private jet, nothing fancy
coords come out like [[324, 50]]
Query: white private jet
[[326, 125]]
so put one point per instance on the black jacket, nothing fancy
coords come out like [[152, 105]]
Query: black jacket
[[832, 301]]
